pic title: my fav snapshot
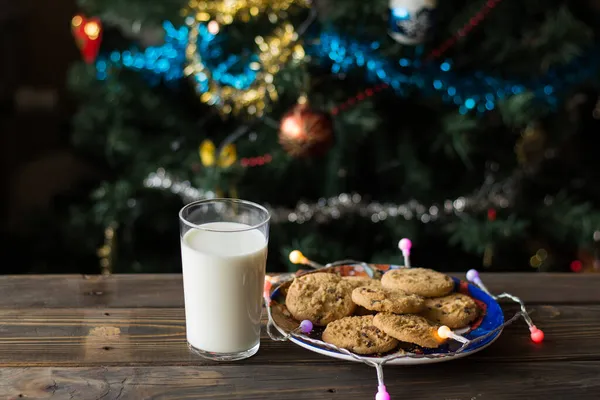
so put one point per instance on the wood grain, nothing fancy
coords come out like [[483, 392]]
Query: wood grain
[[145, 337], [465, 380], [144, 290], [158, 291], [123, 337]]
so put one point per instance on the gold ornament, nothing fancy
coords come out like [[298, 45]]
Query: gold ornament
[[227, 157], [274, 51], [305, 132], [530, 147]]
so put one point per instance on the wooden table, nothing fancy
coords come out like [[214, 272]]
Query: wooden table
[[123, 337]]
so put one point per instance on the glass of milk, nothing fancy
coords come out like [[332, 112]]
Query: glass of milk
[[224, 255]]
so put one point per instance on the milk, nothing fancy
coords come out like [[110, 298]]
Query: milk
[[223, 279]]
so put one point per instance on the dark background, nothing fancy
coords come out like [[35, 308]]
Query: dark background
[[36, 49]]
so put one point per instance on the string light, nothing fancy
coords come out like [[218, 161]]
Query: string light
[[251, 90]]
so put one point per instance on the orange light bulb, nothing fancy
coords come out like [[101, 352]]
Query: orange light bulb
[[444, 332], [92, 29], [296, 257]]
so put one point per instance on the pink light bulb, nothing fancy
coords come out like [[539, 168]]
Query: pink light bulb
[[382, 393], [405, 245]]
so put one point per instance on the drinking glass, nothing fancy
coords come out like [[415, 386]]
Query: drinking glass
[[224, 254]]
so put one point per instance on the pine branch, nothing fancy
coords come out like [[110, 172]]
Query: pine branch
[[570, 221], [455, 140], [474, 234]]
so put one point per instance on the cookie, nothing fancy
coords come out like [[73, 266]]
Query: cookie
[[358, 281], [409, 328], [421, 281], [320, 298], [382, 299], [455, 310], [359, 335]]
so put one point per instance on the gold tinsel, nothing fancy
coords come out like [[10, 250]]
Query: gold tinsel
[[274, 51], [531, 146]]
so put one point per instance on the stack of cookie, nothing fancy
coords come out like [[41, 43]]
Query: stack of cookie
[[368, 316]]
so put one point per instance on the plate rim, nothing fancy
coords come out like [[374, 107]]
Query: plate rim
[[398, 361]]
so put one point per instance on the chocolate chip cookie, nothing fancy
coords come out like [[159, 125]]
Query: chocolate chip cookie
[[409, 328], [382, 299], [421, 281], [455, 310], [359, 335], [320, 298]]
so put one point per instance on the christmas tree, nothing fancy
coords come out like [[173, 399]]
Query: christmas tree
[[466, 126]]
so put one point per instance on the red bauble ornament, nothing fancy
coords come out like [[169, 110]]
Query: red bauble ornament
[[306, 132], [88, 36]]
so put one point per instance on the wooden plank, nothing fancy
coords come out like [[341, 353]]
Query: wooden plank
[[74, 291], [460, 380], [165, 290], [146, 337]]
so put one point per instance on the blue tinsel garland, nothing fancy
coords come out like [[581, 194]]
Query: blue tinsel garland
[[475, 91]]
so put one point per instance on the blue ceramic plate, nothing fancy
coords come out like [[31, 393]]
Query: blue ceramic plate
[[492, 318]]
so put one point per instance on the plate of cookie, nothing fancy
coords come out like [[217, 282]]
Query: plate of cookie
[[379, 314]]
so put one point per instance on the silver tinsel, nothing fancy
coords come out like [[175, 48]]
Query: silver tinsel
[[163, 180], [491, 195]]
